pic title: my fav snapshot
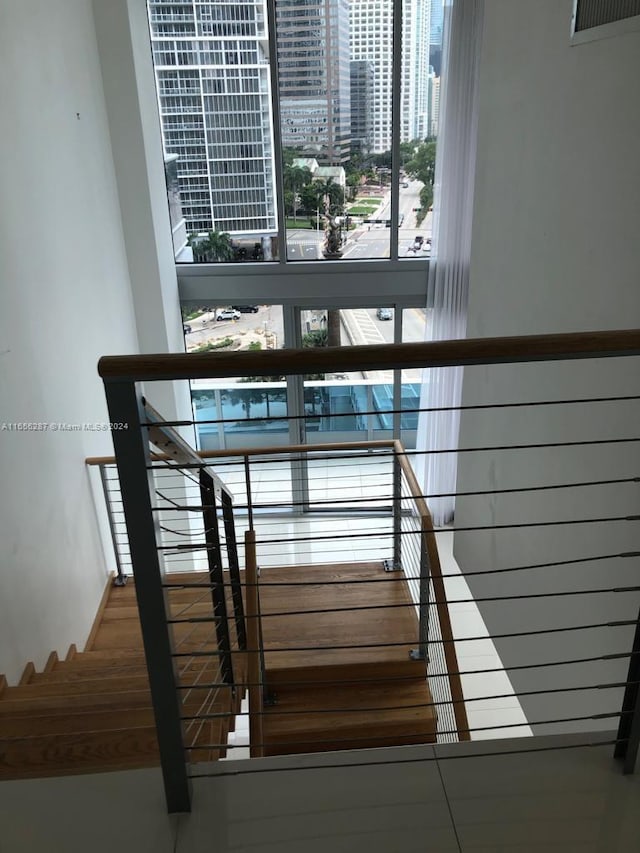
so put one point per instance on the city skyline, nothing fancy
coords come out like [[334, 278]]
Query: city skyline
[[212, 68]]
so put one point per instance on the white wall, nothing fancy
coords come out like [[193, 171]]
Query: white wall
[[555, 248], [64, 301]]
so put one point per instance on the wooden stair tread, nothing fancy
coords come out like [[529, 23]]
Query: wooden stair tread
[[338, 627], [326, 718], [91, 752], [56, 755], [75, 703], [13, 727], [88, 673], [41, 690]]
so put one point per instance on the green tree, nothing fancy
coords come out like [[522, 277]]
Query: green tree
[[422, 166], [330, 196], [290, 154], [246, 397], [216, 246], [407, 152], [295, 179]]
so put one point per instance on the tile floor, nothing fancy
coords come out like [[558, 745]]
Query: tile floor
[[471, 797]]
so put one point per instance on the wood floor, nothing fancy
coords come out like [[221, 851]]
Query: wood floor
[[92, 711]]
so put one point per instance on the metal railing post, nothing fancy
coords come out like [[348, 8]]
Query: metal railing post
[[216, 576], [396, 564], [247, 478], [628, 736], [132, 453], [234, 569], [422, 652], [120, 578]]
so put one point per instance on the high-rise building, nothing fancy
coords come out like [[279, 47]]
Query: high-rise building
[[434, 105], [212, 73], [361, 106], [435, 38], [372, 39], [437, 21], [314, 78], [414, 119]]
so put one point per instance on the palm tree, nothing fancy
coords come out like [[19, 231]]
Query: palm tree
[[295, 178], [331, 195], [216, 246], [219, 246]]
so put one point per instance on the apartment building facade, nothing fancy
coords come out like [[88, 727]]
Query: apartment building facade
[[314, 78], [212, 70]]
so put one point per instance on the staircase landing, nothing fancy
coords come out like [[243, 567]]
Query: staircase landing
[[341, 677]]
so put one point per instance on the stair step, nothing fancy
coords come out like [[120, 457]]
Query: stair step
[[306, 675], [77, 688], [92, 670], [65, 673], [68, 723], [109, 656], [335, 635], [27, 673], [48, 720], [327, 718], [59, 755], [72, 704]]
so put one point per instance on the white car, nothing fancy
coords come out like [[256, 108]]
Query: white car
[[228, 314]]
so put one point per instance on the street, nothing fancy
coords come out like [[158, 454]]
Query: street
[[370, 240], [359, 326]]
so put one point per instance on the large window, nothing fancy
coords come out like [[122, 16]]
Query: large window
[[301, 136], [301, 130]]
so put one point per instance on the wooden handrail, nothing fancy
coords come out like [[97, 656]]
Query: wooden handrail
[[429, 538], [262, 451], [254, 674], [289, 362]]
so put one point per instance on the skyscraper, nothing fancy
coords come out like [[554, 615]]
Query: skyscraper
[[361, 107], [312, 39], [371, 28], [372, 39], [415, 70], [213, 85]]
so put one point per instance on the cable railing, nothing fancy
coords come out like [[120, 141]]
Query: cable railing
[[543, 618]]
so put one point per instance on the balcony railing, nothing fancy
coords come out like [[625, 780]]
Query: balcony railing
[[569, 634]]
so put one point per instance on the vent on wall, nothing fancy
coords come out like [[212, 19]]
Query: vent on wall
[[597, 13]]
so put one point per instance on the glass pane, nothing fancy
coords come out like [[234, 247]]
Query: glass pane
[[420, 98], [249, 414], [414, 324], [212, 77], [233, 328], [334, 72]]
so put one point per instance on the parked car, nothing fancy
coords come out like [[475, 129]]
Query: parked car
[[228, 314], [404, 185], [246, 309], [186, 329], [384, 314], [419, 240]]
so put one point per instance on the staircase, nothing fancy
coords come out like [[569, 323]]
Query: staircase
[[92, 711], [357, 693]]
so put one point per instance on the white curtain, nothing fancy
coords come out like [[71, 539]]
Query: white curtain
[[451, 246]]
